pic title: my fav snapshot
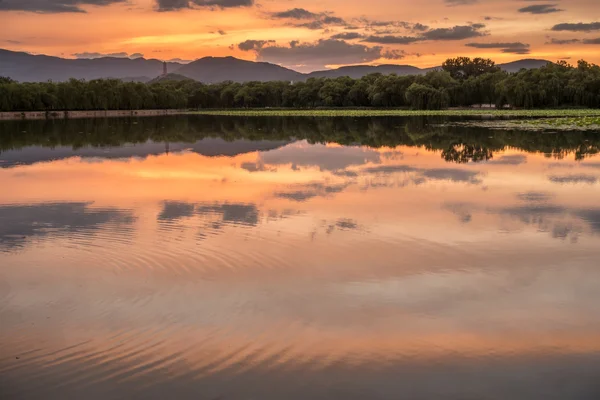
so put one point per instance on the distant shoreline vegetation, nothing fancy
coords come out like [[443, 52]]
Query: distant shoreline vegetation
[[461, 82]]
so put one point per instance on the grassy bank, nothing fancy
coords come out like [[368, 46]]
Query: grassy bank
[[573, 113]]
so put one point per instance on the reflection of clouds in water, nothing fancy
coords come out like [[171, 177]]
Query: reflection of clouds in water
[[535, 196], [230, 213], [306, 192], [513, 159], [321, 156], [424, 174], [258, 166], [18, 223], [560, 221], [565, 179]]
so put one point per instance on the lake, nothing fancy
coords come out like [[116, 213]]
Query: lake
[[204, 257]]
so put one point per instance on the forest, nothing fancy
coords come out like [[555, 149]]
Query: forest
[[460, 82]]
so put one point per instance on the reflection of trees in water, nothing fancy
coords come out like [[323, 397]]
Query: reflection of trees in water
[[456, 144]]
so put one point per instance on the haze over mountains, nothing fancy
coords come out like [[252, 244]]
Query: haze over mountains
[[25, 67]]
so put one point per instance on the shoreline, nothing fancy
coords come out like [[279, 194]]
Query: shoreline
[[292, 112], [47, 115]]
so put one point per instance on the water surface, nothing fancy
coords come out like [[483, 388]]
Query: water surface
[[297, 258]]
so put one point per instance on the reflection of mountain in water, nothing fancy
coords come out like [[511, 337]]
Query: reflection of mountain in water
[[211, 147]]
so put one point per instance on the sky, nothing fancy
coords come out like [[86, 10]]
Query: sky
[[306, 35]]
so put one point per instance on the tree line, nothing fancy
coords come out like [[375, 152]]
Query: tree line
[[459, 144], [461, 82]]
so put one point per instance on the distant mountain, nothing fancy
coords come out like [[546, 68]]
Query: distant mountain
[[219, 69], [358, 71], [209, 147], [529, 63], [25, 67]]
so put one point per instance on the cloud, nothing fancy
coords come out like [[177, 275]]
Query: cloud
[[389, 39], [591, 41], [323, 52], [458, 32], [295, 13], [578, 27], [89, 56], [312, 20], [514, 47], [175, 5], [540, 9], [52, 6], [563, 41], [347, 36], [249, 45]]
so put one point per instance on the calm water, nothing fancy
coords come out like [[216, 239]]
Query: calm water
[[298, 258]]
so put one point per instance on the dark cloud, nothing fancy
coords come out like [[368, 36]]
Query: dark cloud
[[591, 41], [21, 223], [514, 47], [253, 44], [52, 6], [540, 9], [419, 27], [314, 20], [323, 52], [563, 41], [221, 32], [389, 39], [577, 27], [174, 5], [573, 179], [458, 32], [347, 36], [295, 13]]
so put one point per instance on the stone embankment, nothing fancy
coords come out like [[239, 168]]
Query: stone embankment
[[85, 114]]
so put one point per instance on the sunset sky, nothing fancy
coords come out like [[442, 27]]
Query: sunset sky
[[305, 34]]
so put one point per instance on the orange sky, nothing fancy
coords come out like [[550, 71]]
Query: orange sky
[[136, 26]]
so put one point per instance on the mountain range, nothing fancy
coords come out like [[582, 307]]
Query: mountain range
[[25, 67]]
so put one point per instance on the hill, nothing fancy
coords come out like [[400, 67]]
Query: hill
[[219, 69], [528, 63], [358, 71], [25, 67]]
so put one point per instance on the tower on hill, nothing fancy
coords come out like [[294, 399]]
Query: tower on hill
[[164, 68]]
